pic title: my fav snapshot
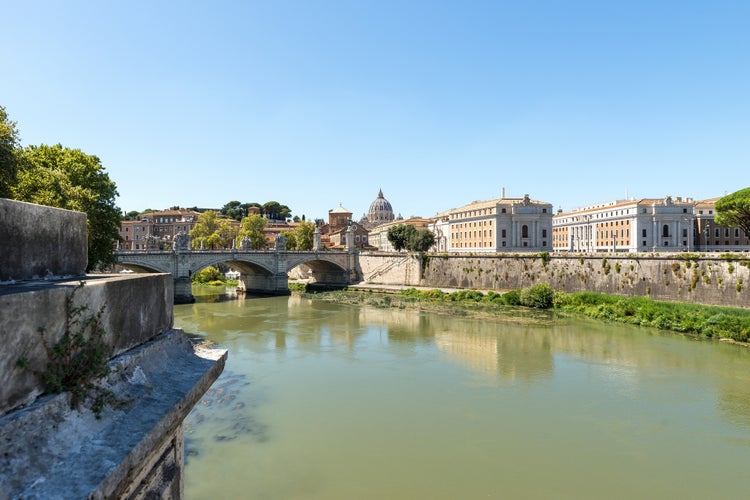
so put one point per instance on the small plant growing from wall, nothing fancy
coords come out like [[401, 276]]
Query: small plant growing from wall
[[617, 267], [739, 285], [730, 268], [79, 359]]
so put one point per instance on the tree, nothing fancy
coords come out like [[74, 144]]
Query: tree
[[399, 235], [211, 231], [9, 150], [132, 215], [252, 228], [235, 210], [304, 235], [273, 210], [734, 210], [420, 240], [69, 178]]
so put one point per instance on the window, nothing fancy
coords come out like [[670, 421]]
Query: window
[[684, 233], [504, 235], [503, 243], [544, 233], [544, 210], [643, 234], [643, 243], [665, 231], [504, 211], [524, 231]]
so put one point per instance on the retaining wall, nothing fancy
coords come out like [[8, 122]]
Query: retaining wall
[[710, 279]]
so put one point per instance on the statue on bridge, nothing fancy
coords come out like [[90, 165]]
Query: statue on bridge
[[280, 243], [246, 244], [182, 242]]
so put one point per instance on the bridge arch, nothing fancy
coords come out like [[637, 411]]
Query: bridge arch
[[262, 271]]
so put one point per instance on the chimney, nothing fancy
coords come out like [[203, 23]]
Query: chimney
[[502, 194]]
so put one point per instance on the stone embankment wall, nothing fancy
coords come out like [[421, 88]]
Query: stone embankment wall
[[52, 448], [710, 279]]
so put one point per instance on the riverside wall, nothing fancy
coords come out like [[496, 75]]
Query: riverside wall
[[51, 314], [710, 279]]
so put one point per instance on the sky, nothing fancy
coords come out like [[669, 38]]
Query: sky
[[321, 103]]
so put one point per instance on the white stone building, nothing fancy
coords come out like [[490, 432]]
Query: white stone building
[[645, 225]]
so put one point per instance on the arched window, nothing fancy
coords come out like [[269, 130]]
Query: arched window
[[665, 230], [524, 231]]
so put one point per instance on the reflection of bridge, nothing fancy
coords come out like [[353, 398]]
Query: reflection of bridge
[[259, 271]]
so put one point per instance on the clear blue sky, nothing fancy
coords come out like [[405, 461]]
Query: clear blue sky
[[315, 103]]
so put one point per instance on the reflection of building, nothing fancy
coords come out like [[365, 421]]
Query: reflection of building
[[644, 225], [513, 354], [381, 212], [155, 230], [499, 225]]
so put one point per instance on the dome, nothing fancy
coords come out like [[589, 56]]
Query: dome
[[380, 211]]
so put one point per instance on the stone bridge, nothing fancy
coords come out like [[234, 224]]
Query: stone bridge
[[260, 271]]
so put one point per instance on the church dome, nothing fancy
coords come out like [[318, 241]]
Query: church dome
[[380, 211]]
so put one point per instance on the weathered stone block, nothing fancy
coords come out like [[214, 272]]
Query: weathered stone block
[[40, 242], [135, 309], [51, 450]]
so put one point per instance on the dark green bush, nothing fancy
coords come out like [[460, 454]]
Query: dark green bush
[[540, 296]]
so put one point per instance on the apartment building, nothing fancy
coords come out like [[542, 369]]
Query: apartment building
[[710, 237], [155, 230], [500, 225], [645, 225]]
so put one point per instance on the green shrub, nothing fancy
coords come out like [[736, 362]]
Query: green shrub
[[540, 296], [207, 275], [512, 298]]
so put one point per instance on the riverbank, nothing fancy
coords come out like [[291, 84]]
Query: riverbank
[[713, 322]]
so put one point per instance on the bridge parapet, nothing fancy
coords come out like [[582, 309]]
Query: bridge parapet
[[261, 271]]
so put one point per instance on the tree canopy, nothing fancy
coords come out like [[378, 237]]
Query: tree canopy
[[211, 232], [252, 228], [406, 236], [67, 178], [734, 210], [9, 147], [301, 238], [399, 234]]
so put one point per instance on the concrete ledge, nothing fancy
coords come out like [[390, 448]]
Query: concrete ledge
[[53, 451], [138, 308], [41, 242]]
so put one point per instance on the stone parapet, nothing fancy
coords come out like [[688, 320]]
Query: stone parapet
[[41, 242], [134, 309]]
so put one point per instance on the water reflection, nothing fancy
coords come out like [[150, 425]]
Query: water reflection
[[319, 399]]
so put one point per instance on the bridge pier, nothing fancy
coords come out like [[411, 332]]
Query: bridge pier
[[183, 290], [277, 284]]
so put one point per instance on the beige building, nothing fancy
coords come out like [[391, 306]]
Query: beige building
[[645, 225], [710, 237], [500, 225], [156, 230]]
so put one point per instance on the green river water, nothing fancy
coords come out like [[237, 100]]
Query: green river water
[[320, 400]]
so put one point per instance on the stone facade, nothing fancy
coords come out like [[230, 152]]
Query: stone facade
[[500, 225], [646, 225], [703, 279]]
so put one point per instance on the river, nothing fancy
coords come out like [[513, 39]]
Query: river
[[320, 400]]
